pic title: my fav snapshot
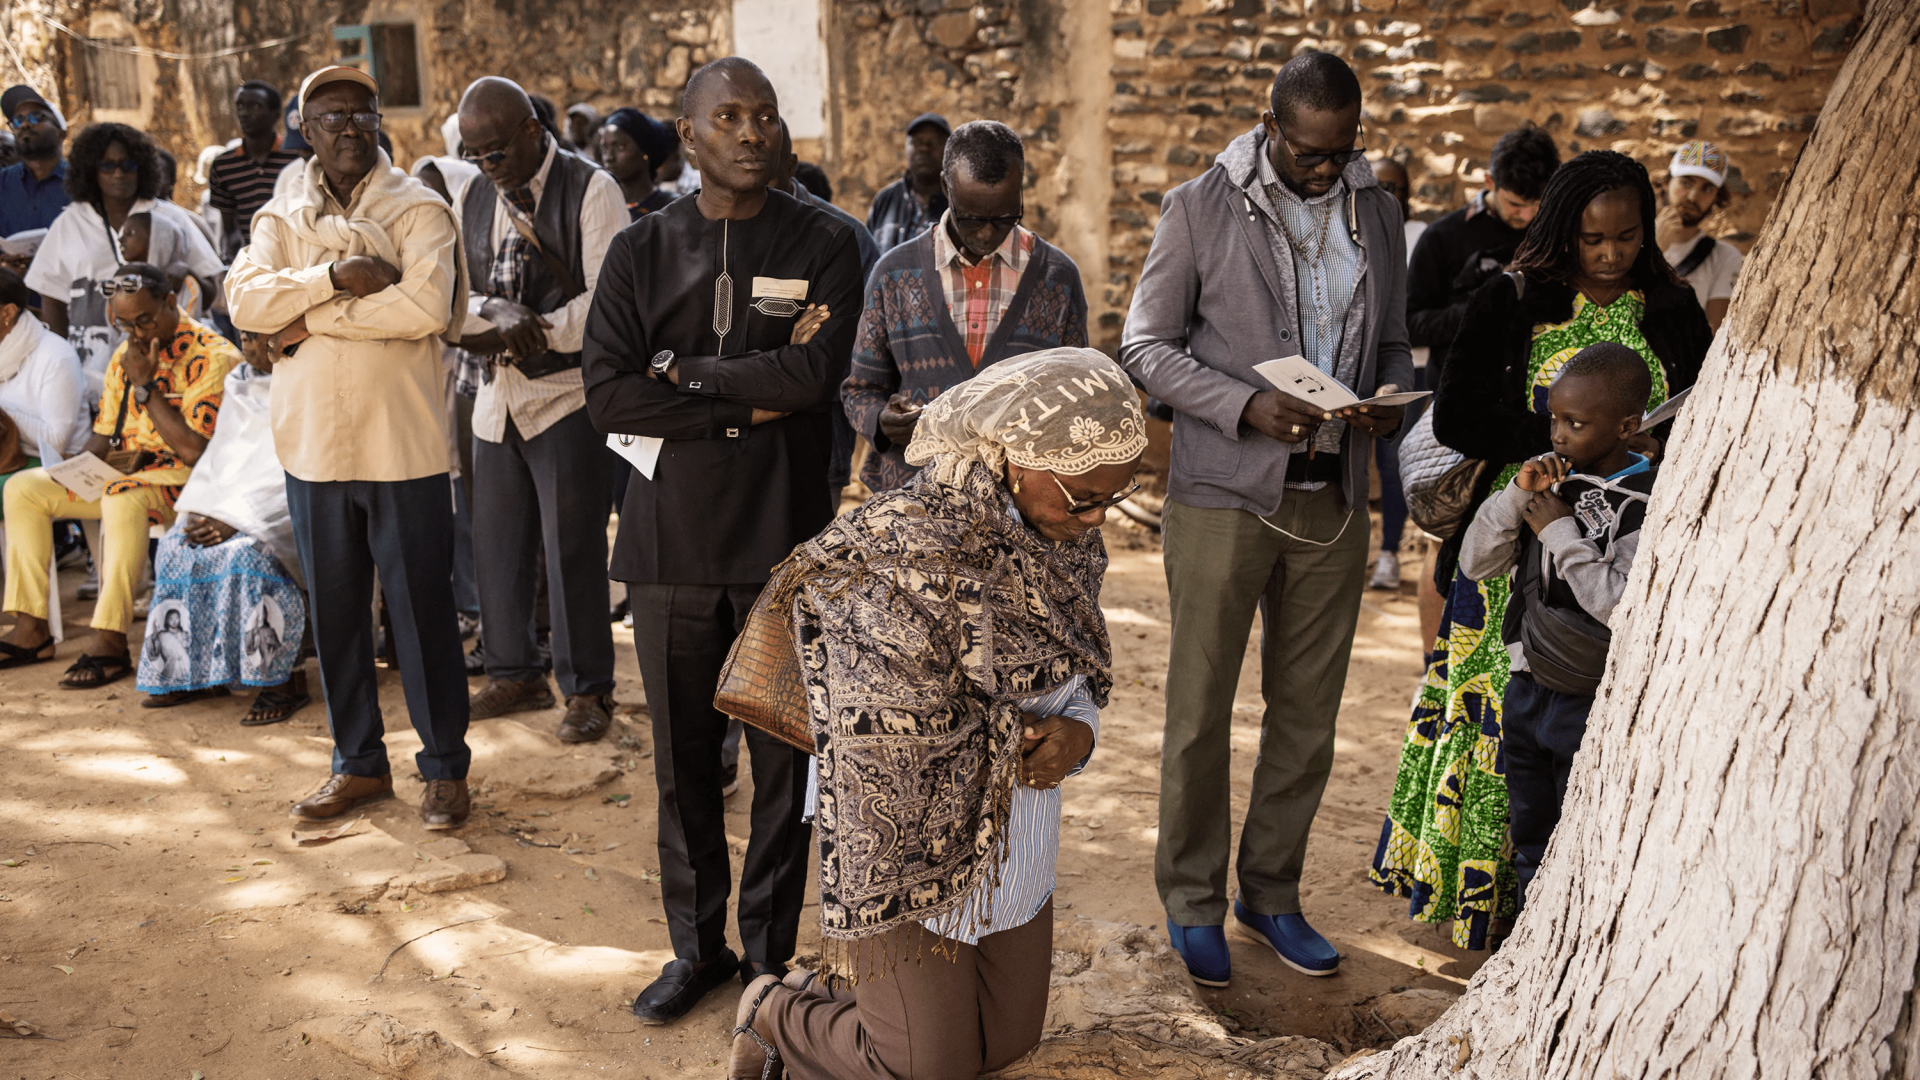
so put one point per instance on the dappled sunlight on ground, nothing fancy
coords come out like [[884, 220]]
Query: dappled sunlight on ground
[[162, 919]]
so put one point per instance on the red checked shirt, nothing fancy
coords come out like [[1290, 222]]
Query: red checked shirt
[[978, 295]]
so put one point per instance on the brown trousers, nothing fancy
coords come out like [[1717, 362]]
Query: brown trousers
[[924, 1018]]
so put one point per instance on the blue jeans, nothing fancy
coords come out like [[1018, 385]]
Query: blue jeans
[[1541, 730]]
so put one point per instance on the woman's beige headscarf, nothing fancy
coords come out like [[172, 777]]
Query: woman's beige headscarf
[[1069, 411]]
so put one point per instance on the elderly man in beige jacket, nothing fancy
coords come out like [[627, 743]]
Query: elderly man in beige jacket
[[352, 273]]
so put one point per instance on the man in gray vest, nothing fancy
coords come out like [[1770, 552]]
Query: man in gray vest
[[536, 224]]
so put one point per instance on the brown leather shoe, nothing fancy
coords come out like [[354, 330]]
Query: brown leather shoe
[[342, 793], [501, 697], [588, 718], [445, 805]]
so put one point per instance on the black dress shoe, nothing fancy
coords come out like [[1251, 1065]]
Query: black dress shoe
[[680, 987]]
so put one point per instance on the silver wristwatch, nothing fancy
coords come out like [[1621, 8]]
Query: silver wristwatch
[[662, 360]]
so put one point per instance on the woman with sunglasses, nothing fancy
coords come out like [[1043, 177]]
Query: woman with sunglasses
[[955, 661], [113, 174], [164, 390]]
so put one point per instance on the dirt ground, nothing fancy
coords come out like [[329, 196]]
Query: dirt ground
[[538, 937]]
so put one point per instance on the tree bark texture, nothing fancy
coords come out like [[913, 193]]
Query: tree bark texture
[[1732, 892]]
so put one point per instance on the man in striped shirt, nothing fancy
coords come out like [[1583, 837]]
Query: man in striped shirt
[[240, 181]]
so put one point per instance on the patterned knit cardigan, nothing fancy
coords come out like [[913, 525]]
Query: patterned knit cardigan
[[908, 341]]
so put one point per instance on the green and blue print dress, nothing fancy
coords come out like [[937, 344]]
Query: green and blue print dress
[[1444, 845]]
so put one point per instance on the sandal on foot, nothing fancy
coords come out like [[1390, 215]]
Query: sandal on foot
[[743, 1065], [12, 656], [93, 672], [273, 707], [180, 697]]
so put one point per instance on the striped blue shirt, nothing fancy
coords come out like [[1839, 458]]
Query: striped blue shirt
[[1313, 234], [1033, 830], [1033, 834]]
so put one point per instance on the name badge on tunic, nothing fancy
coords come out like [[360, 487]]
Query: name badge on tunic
[[779, 298]]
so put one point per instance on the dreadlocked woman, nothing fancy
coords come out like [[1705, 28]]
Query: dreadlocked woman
[[955, 658], [1588, 271]]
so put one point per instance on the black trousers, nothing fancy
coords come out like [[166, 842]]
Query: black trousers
[[346, 531], [682, 634], [1540, 731], [551, 488]]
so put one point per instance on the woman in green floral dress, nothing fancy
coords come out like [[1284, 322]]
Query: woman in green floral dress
[[1586, 272]]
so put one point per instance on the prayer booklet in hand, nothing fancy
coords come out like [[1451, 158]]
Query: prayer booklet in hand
[[1297, 376], [1666, 410], [85, 475], [640, 451], [24, 242]]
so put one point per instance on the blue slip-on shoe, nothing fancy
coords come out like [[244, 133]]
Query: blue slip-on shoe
[[1299, 946], [1204, 949]]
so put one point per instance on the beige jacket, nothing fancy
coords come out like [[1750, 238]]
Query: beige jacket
[[361, 398]]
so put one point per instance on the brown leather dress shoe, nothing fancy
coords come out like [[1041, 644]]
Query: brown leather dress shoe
[[587, 720], [342, 793], [445, 805], [501, 697]]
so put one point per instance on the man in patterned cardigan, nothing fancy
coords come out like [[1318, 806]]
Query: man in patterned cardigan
[[1002, 292]]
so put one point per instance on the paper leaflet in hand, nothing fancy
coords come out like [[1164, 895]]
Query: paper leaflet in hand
[[1296, 376], [640, 451], [85, 475], [1666, 410], [24, 242]]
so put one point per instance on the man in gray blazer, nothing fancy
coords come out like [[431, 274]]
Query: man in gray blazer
[[1286, 246]]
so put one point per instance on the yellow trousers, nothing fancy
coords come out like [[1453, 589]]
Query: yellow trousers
[[35, 500]]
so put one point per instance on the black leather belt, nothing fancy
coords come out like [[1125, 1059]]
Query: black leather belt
[[1305, 468]]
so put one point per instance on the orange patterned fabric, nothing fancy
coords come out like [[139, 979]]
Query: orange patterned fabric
[[191, 374]]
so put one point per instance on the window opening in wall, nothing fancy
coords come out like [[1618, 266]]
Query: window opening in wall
[[114, 77], [387, 51]]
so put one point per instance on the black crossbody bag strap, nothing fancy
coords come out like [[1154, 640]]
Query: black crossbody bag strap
[[1701, 252]]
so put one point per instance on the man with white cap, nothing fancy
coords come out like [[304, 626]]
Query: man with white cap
[[1696, 187], [33, 190], [352, 272]]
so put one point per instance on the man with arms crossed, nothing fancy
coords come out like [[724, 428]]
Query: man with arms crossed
[[353, 270], [699, 335]]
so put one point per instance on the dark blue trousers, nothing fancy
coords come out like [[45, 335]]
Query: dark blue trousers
[[1540, 731], [346, 532]]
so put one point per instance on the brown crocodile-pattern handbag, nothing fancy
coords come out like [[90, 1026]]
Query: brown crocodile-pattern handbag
[[760, 683]]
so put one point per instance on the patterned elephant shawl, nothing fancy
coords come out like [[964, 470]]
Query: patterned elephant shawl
[[922, 619]]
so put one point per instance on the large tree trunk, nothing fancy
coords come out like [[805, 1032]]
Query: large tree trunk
[[1733, 891]]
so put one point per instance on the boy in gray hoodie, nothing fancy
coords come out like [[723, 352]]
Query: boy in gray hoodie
[[1567, 528]]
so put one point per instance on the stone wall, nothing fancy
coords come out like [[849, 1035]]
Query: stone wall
[[1445, 78], [1007, 60], [1118, 100], [605, 52]]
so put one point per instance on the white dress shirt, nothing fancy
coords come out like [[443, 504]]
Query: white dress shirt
[[538, 404]]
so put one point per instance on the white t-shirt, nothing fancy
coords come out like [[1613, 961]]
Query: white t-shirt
[[1714, 278], [1414, 227], [80, 252]]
